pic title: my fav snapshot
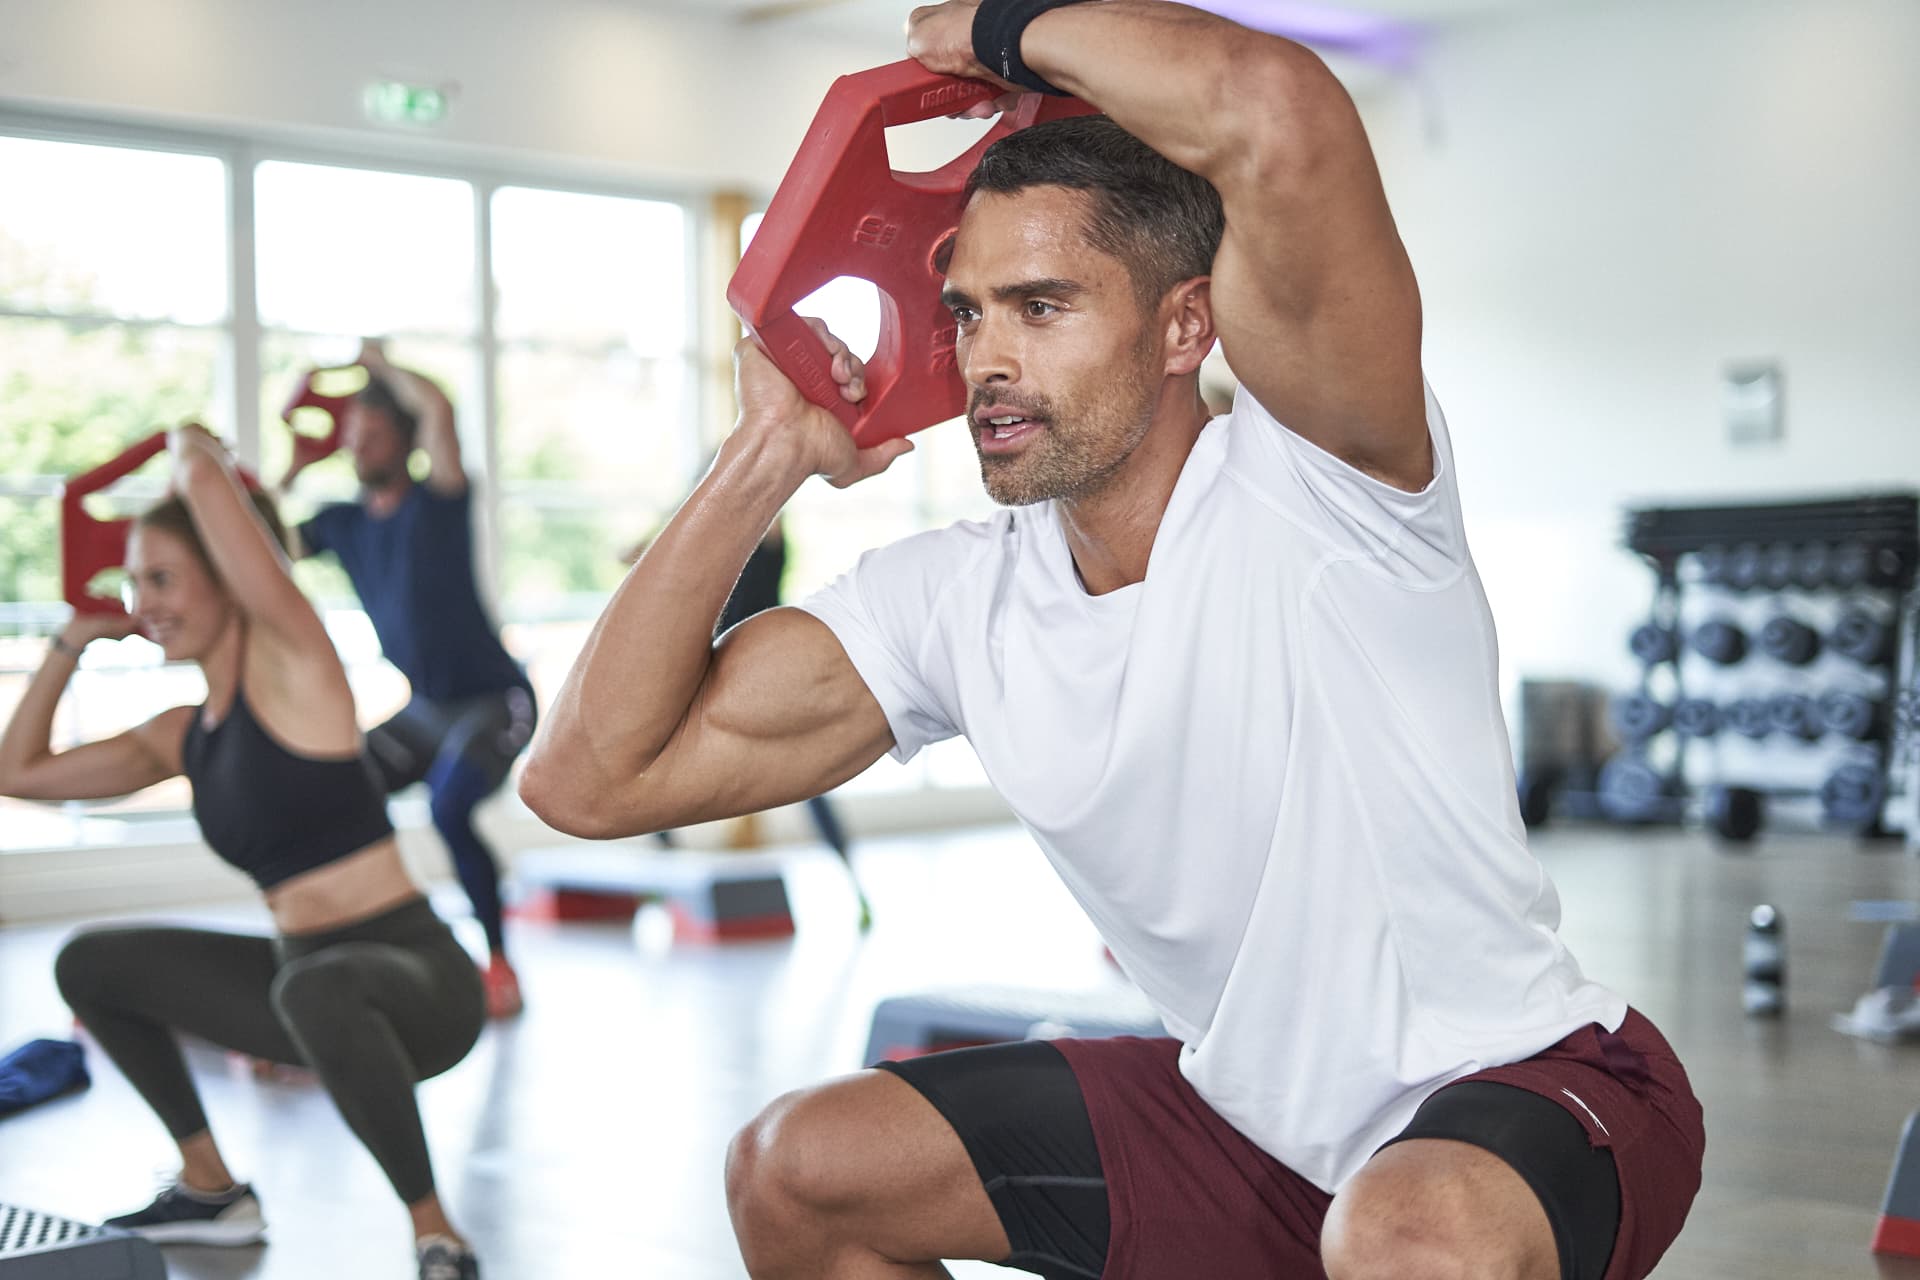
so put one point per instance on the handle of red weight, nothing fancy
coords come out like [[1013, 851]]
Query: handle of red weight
[[309, 449], [841, 204], [88, 545]]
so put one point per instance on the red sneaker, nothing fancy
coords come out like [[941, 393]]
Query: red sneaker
[[503, 988]]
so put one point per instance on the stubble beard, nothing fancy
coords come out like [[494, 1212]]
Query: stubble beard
[[1078, 453]]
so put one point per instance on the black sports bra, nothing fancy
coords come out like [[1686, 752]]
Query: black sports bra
[[274, 814]]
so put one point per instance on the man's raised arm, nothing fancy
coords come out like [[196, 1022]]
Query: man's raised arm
[[656, 727], [1313, 295]]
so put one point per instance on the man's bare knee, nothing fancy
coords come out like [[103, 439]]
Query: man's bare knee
[[762, 1171], [1389, 1247], [1437, 1211], [787, 1178]]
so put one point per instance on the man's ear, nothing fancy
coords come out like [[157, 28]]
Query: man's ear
[[1188, 315]]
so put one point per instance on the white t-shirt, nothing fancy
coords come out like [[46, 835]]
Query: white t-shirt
[[1275, 774]]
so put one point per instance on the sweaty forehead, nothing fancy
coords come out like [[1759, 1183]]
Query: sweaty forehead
[[1036, 233]]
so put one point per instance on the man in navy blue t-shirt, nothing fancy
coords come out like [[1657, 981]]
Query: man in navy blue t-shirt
[[408, 547]]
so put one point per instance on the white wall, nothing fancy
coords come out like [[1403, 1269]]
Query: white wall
[[593, 85], [1624, 196]]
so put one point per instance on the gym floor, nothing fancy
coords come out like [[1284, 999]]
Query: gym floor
[[587, 1137]]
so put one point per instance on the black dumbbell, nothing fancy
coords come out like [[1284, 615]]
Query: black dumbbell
[[1712, 565], [1890, 568], [1719, 641], [1851, 563], [1631, 790], [1854, 794], [1745, 567], [1850, 716], [1750, 718], [1734, 813], [1794, 715], [1696, 718], [1638, 716], [1777, 567], [1812, 565], [1654, 644], [1862, 637], [1789, 640]]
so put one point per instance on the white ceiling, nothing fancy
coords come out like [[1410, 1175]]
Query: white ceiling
[[885, 19]]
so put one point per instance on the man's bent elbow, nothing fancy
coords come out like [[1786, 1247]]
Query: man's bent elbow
[[561, 799]]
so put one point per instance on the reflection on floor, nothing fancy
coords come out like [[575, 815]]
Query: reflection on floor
[[586, 1139]]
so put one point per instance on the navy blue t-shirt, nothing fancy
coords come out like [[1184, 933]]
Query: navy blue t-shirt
[[414, 572]]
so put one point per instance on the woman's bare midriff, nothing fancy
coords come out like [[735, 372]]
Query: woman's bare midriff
[[357, 887]]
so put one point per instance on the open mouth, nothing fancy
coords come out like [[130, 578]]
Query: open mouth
[[1004, 433]]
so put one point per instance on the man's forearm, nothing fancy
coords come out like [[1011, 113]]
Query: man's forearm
[[643, 665]]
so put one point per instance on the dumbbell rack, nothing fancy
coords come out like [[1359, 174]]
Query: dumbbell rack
[[1777, 668]]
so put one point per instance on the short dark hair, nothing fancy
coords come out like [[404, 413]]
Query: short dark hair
[[171, 515], [1163, 222], [378, 394]]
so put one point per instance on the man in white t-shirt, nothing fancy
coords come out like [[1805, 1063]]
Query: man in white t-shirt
[[1236, 675]]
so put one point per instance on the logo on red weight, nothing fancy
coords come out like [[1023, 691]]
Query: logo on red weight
[[946, 93], [801, 361], [877, 232], [941, 358]]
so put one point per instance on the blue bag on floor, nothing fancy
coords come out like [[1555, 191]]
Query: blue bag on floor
[[38, 1070]]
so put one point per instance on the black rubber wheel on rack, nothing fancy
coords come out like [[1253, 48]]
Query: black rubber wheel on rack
[[1735, 813], [1854, 794], [1633, 791], [1654, 644]]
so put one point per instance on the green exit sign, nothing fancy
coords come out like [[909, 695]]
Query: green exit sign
[[391, 102]]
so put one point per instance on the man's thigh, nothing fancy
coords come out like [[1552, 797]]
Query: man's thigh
[[1184, 1192], [1017, 1110], [1633, 1112], [1487, 1179]]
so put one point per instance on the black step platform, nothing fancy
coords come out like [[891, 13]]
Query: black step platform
[[40, 1246]]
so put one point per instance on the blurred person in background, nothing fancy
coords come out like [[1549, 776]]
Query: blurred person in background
[[407, 545]]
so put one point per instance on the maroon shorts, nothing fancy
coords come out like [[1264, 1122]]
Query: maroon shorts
[[1189, 1195]]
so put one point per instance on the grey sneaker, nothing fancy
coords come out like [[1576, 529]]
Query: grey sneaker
[[442, 1258], [181, 1215]]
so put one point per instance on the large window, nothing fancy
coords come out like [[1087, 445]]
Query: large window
[[597, 420], [563, 324], [113, 323]]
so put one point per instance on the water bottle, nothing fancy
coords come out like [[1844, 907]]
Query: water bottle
[[1765, 961]]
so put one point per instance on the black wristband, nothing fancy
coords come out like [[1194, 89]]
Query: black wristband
[[997, 28]]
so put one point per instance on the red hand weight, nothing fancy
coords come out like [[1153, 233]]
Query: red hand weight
[[308, 448], [843, 210], [88, 545]]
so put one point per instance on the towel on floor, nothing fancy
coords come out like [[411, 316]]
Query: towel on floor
[[39, 1070]]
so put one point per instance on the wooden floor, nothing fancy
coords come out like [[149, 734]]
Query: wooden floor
[[586, 1138]]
